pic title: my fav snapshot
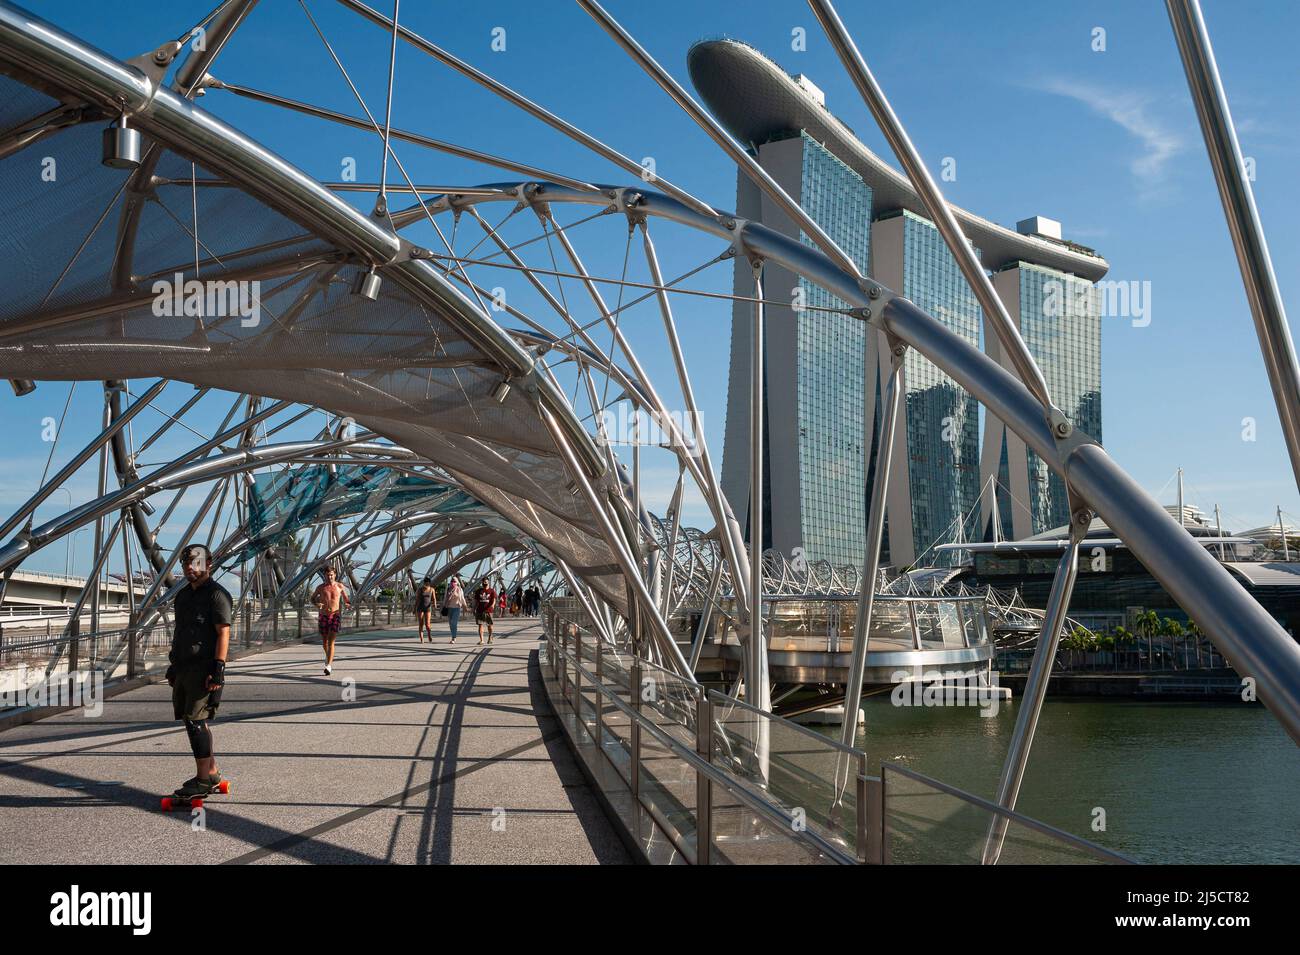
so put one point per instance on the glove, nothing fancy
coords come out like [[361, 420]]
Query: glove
[[216, 678], [170, 676]]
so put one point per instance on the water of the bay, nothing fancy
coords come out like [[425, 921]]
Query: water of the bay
[[1179, 782]]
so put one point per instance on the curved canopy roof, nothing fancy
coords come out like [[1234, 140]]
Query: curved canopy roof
[[93, 256]]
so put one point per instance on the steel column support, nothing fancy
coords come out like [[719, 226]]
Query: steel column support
[[875, 536], [757, 689], [703, 784], [1243, 218], [640, 595], [1040, 669], [938, 208]]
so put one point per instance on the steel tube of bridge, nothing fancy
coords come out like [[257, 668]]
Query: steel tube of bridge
[[217, 34], [525, 104], [870, 557], [747, 163], [1244, 632], [1243, 218], [81, 457], [728, 529], [706, 615], [631, 572], [756, 685], [935, 204], [1040, 669]]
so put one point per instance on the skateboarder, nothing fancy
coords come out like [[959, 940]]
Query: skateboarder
[[203, 611], [330, 598], [485, 602]]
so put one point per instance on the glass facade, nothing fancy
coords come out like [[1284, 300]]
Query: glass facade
[[830, 370], [819, 448], [942, 418], [1060, 321]]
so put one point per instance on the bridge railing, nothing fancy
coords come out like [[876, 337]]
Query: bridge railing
[[650, 740], [683, 767], [928, 822], [130, 652]]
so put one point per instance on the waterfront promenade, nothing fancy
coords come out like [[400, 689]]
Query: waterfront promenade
[[442, 754]]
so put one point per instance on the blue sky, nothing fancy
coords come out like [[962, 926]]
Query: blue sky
[[1038, 122]]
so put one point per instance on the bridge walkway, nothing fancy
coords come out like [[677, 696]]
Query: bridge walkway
[[408, 753]]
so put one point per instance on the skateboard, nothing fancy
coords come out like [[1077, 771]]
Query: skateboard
[[193, 802]]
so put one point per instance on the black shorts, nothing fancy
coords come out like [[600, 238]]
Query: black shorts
[[191, 700], [483, 616]]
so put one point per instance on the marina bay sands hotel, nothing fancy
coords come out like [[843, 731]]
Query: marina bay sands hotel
[[819, 469]]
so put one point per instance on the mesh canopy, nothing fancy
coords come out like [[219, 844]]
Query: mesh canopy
[[287, 501], [102, 282]]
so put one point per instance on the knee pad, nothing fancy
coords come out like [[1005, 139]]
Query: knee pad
[[200, 738]]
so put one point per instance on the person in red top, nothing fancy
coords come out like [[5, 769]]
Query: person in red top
[[485, 602]]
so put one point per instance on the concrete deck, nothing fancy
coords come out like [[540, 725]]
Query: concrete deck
[[446, 754]]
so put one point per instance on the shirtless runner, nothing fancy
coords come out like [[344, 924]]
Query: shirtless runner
[[330, 598]]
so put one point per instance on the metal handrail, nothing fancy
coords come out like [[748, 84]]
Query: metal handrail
[[753, 800], [824, 741], [1010, 815]]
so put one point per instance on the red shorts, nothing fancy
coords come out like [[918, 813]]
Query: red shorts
[[329, 623]]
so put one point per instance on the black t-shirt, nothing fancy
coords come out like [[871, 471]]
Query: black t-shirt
[[198, 614]]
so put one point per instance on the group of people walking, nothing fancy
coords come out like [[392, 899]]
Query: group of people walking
[[204, 612], [487, 603]]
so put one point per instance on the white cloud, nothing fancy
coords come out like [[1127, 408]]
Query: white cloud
[[1132, 111]]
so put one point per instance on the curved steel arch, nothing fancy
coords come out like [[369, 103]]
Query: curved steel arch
[[1248, 637], [38, 51]]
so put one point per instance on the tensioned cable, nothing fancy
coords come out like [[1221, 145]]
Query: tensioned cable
[[495, 231], [86, 241], [559, 282], [215, 258], [388, 111], [613, 341], [204, 22], [388, 149], [655, 289], [538, 238], [57, 434]]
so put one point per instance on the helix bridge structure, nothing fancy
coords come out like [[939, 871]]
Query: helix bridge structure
[[305, 372]]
